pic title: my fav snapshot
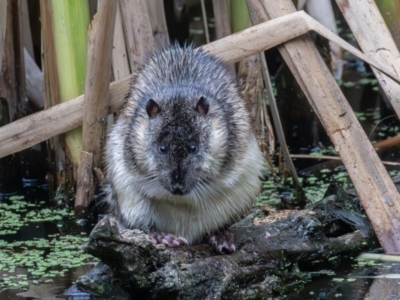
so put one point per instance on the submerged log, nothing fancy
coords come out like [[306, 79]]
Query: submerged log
[[269, 248]]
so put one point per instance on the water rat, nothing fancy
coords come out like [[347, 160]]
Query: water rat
[[182, 160]]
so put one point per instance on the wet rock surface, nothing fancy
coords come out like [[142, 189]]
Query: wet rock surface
[[269, 247]]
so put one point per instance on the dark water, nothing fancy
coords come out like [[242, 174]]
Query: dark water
[[42, 221], [53, 290], [356, 279]]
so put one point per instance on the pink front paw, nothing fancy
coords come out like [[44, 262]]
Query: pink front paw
[[167, 239]]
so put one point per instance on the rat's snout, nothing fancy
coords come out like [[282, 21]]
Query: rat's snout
[[177, 187]]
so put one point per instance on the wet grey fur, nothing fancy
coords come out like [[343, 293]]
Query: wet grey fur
[[209, 174]]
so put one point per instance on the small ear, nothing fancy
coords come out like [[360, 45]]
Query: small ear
[[152, 108], [202, 106]]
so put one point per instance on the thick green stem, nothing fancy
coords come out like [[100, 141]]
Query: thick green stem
[[239, 15], [70, 23], [390, 10]]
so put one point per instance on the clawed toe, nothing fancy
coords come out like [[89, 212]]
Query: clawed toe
[[221, 241], [167, 239]]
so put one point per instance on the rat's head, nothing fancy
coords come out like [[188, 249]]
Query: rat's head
[[182, 114], [177, 133]]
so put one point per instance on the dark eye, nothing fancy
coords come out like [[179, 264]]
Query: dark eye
[[191, 148], [162, 149]]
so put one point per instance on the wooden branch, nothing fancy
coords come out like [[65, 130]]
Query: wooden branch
[[21, 100], [138, 31], [158, 23], [58, 176], [98, 73], [53, 121], [273, 106], [61, 118], [222, 18], [375, 40], [49, 59], [387, 144], [3, 26], [96, 98], [34, 82], [331, 157], [8, 89], [205, 23], [322, 12], [84, 184], [299, 23], [376, 190], [120, 62]]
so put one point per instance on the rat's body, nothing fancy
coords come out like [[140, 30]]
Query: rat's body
[[182, 158]]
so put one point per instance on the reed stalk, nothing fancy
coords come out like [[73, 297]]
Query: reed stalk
[[239, 15], [3, 26], [390, 10], [70, 20]]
